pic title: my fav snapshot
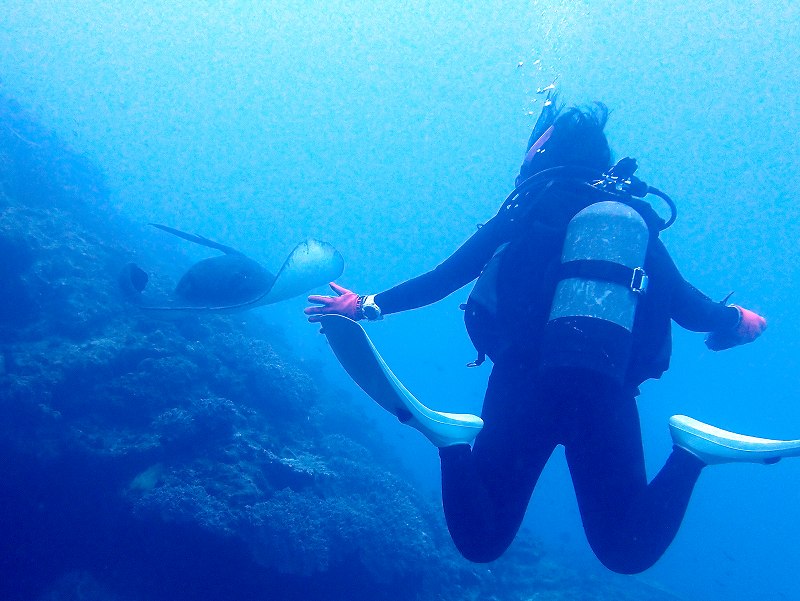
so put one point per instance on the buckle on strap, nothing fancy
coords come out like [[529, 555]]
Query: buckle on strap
[[639, 281], [634, 279]]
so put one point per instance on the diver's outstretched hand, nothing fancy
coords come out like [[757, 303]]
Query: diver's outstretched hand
[[751, 325], [346, 302]]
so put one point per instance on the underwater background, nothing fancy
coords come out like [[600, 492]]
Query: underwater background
[[389, 130]]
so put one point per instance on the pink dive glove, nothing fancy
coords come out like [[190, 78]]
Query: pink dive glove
[[751, 325], [345, 303]]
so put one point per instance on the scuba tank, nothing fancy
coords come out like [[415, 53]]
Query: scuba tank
[[600, 281]]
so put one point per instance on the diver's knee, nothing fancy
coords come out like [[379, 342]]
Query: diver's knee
[[629, 561], [479, 551]]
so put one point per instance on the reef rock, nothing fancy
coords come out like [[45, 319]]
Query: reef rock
[[188, 459]]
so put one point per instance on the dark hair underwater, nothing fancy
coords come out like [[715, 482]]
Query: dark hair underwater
[[577, 139]]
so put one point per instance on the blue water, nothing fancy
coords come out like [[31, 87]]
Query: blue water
[[391, 131]]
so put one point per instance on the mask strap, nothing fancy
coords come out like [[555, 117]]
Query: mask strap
[[537, 146]]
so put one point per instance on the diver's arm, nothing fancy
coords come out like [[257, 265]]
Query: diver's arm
[[460, 268], [727, 325], [694, 311], [690, 308]]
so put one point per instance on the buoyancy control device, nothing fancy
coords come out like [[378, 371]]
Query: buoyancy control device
[[596, 280]]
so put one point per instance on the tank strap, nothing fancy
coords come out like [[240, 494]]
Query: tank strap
[[636, 279]]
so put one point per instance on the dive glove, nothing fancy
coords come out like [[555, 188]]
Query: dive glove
[[345, 303], [749, 327]]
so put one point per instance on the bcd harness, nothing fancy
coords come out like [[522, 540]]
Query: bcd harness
[[593, 270]]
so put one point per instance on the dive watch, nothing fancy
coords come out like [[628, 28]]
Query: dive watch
[[369, 310]]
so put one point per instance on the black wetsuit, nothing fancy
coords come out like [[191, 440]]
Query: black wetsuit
[[486, 489]]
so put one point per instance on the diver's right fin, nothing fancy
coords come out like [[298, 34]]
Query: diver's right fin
[[362, 361], [197, 239], [713, 445]]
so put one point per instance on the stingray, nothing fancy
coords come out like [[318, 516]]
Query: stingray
[[234, 282]]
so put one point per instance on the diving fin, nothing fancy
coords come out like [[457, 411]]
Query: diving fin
[[713, 445], [361, 360]]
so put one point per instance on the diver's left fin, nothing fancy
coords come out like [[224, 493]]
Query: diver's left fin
[[198, 239]]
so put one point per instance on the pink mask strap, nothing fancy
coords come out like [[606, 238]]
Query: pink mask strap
[[537, 146]]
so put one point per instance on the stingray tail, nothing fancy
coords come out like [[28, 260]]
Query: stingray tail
[[197, 239]]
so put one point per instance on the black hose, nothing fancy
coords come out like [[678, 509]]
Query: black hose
[[549, 175], [672, 208], [585, 175]]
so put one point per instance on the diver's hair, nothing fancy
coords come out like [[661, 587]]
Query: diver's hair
[[577, 139]]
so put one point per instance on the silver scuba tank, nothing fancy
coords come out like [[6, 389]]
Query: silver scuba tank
[[600, 281]]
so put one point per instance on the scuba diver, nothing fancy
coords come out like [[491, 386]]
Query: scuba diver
[[573, 304]]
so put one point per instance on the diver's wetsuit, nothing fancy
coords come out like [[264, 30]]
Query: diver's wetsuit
[[628, 522]]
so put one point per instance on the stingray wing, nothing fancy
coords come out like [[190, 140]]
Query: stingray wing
[[311, 264]]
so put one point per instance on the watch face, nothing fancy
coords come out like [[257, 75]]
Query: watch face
[[370, 310]]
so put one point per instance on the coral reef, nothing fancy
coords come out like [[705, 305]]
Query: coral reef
[[188, 459]]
